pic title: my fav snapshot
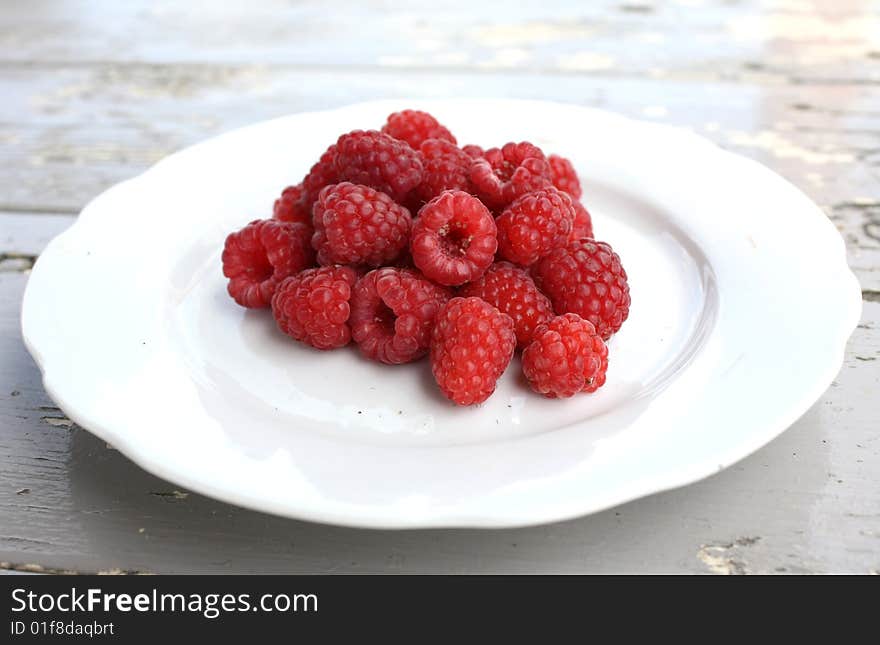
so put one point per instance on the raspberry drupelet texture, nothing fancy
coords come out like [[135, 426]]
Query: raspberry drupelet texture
[[512, 291], [291, 207], [473, 151], [564, 176], [313, 306], [567, 356], [323, 173], [358, 225], [415, 127], [379, 161], [471, 346], [454, 238], [535, 224], [262, 254], [586, 278], [503, 174], [583, 223], [446, 167], [393, 312]]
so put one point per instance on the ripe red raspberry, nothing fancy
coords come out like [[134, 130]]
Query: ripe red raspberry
[[471, 346], [262, 254], [358, 225], [379, 161], [503, 174], [454, 238], [414, 127], [564, 176], [473, 151], [567, 356], [586, 278], [535, 224], [392, 314], [513, 292], [446, 166], [290, 207], [313, 306], [583, 223], [323, 173]]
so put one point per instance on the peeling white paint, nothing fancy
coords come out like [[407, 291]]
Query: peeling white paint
[[528, 33], [508, 57], [813, 26], [815, 178], [784, 148], [452, 58], [585, 61], [430, 44], [714, 557], [720, 560], [95, 153], [397, 61], [58, 422], [651, 37], [655, 111]]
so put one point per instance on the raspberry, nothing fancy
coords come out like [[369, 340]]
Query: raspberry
[[454, 238], [323, 173], [358, 225], [504, 174], [535, 224], [586, 278], [313, 306], [392, 314], [414, 127], [564, 176], [511, 290], [290, 207], [379, 161], [473, 151], [446, 166], [567, 356], [471, 346], [583, 223], [262, 254]]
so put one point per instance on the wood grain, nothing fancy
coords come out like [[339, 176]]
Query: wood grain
[[810, 41], [95, 93]]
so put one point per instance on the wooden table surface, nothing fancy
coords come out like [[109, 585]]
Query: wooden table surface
[[95, 92]]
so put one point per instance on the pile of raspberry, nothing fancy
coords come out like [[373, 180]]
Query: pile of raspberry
[[408, 245]]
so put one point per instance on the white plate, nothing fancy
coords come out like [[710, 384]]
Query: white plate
[[741, 305]]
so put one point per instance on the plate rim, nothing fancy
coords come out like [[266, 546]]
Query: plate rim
[[444, 519]]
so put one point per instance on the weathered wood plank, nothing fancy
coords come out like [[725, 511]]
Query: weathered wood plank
[[24, 235], [83, 120], [712, 39]]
